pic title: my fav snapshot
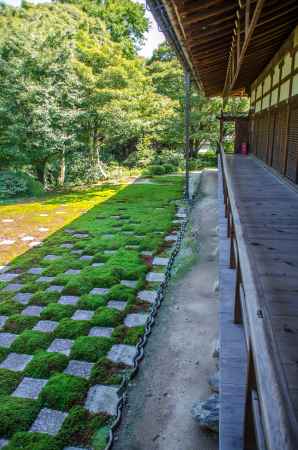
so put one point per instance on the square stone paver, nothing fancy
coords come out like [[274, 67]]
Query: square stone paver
[[32, 311], [6, 339], [77, 251], [135, 320], [101, 331], [102, 399], [45, 279], [72, 272], [155, 277], [79, 368], [66, 245], [171, 238], [157, 261], [13, 287], [147, 296], [3, 319], [129, 283], [81, 235], [36, 270], [86, 257], [48, 421], [110, 252], [55, 288], [146, 253], [99, 291], [97, 264], [61, 346], [46, 326], [8, 276], [117, 305], [69, 300], [29, 388], [107, 236], [51, 257], [4, 269], [82, 314], [23, 298], [16, 362], [121, 353]]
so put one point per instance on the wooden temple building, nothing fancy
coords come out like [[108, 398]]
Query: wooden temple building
[[250, 47]]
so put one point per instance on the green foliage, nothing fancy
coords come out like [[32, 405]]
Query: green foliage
[[45, 364], [100, 439], [156, 170], [90, 348], [64, 391], [30, 441], [129, 336], [9, 380], [17, 414], [55, 311], [9, 307], [30, 341]]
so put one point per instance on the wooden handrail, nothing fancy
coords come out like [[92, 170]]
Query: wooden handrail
[[276, 411]]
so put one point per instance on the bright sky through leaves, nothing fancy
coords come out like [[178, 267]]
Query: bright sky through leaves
[[152, 39]]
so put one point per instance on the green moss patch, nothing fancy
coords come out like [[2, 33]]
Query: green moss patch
[[92, 302], [107, 317], [100, 439], [72, 329], [55, 311], [64, 391], [32, 441], [90, 348], [128, 336], [45, 364], [18, 323], [8, 307], [106, 372], [44, 298], [9, 381], [17, 414], [80, 426], [31, 341]]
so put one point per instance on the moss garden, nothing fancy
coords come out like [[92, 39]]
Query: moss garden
[[72, 311]]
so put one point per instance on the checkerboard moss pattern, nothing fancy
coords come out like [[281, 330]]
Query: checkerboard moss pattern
[[63, 350]]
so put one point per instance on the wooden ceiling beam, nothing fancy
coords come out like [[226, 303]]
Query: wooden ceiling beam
[[202, 17], [210, 23]]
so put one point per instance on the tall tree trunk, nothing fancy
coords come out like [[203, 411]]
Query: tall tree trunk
[[61, 176], [94, 155], [40, 171]]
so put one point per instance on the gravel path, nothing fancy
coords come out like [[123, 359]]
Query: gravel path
[[178, 358]]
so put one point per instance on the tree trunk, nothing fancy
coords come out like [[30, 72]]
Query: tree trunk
[[40, 166], [94, 156], [61, 176]]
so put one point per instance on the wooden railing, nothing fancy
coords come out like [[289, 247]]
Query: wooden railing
[[270, 421]]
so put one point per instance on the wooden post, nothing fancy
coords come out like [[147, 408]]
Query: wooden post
[[187, 84], [247, 16]]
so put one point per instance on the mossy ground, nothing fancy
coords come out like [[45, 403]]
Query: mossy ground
[[118, 223]]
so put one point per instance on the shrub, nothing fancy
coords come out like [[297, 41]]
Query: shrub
[[107, 317], [14, 184], [64, 391], [44, 364], [17, 414], [9, 381], [72, 329], [156, 170], [169, 168], [30, 341], [90, 348], [18, 323], [91, 302], [35, 441], [80, 426]]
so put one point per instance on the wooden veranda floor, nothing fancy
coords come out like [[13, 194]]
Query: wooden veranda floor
[[268, 210]]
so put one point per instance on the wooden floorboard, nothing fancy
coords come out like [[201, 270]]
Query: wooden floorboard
[[268, 209], [232, 349]]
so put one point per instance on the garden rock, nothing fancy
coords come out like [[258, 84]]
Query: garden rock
[[206, 413]]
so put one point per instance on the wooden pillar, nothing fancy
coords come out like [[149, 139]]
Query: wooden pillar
[[187, 84]]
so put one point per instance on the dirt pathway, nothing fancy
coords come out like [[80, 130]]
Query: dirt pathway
[[178, 358]]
